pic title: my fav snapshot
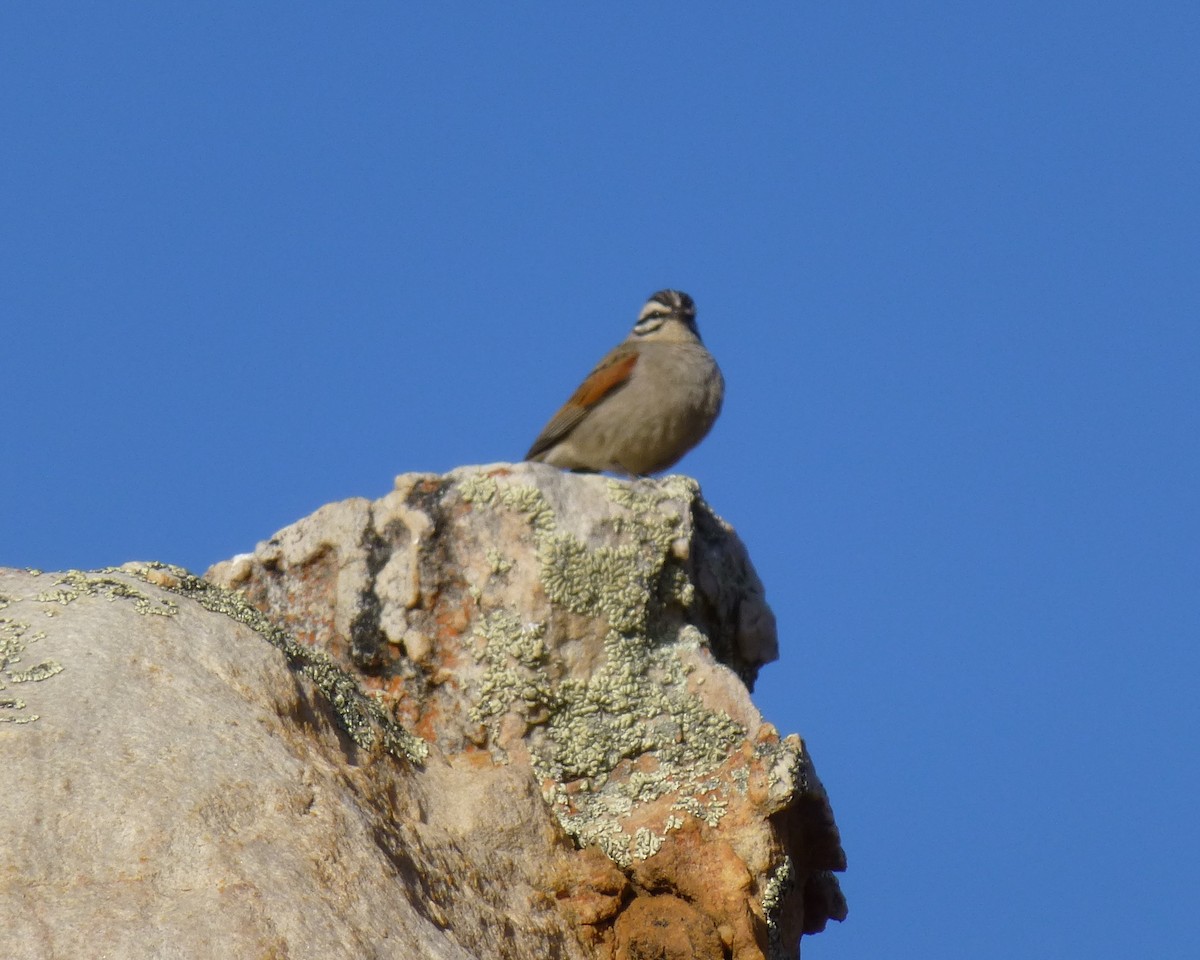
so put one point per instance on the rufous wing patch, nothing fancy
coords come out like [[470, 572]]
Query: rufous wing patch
[[603, 381], [613, 373]]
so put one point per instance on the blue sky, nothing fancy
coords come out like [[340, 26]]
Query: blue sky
[[262, 256]]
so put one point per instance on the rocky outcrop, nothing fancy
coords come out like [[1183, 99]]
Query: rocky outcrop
[[173, 789], [500, 712]]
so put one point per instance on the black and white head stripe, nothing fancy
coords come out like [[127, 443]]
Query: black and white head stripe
[[663, 306]]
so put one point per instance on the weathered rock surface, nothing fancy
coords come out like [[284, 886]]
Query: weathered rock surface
[[174, 790], [599, 633], [557, 755]]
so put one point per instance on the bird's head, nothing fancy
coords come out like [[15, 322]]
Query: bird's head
[[667, 314]]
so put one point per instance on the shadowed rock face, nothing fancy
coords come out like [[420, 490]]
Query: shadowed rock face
[[557, 755]]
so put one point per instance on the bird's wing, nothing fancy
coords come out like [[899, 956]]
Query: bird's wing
[[612, 373]]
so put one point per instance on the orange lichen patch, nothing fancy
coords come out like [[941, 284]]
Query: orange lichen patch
[[428, 722], [472, 758], [453, 620], [451, 661]]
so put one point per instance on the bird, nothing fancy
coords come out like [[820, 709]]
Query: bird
[[648, 402]]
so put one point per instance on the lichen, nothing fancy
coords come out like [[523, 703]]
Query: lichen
[[482, 489], [636, 701], [741, 777], [646, 843], [101, 584], [609, 582], [786, 765], [14, 641], [497, 562], [512, 652], [711, 813], [363, 718], [778, 885], [38, 672]]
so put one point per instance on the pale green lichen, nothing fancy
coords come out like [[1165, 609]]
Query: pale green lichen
[[778, 885], [636, 701], [482, 489], [679, 586], [39, 671], [656, 525], [609, 582], [497, 562], [645, 501], [741, 777], [605, 833], [14, 641], [711, 812], [646, 843], [511, 652], [363, 718], [101, 584]]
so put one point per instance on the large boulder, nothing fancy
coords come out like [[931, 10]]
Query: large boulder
[[500, 712]]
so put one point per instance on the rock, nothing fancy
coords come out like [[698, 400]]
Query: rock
[[600, 633], [500, 712], [177, 786], [667, 927]]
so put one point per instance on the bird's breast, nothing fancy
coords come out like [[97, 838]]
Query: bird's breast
[[667, 407]]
